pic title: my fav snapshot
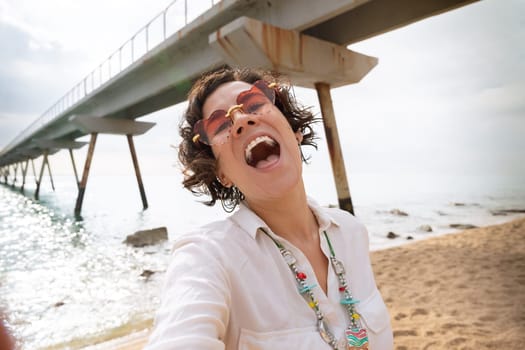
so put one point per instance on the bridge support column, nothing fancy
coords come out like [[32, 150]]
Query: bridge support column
[[9, 174], [15, 173], [34, 171], [39, 182], [50, 175], [45, 163], [57, 145], [137, 171], [4, 174], [74, 167], [24, 173], [85, 173], [96, 125], [334, 147]]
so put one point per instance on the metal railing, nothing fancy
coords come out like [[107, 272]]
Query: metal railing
[[173, 18]]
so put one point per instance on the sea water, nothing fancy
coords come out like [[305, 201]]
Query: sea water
[[67, 281]]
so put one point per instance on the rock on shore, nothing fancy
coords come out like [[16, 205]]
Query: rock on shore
[[147, 237]]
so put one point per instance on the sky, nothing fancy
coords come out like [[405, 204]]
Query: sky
[[448, 94]]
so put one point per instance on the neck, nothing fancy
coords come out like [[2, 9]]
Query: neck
[[288, 216]]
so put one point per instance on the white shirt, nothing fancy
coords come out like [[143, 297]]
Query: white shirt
[[228, 287]]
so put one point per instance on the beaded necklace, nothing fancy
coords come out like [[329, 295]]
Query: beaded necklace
[[356, 335]]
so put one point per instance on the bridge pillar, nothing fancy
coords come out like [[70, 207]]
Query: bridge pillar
[[15, 173], [24, 173], [8, 174], [85, 173], [57, 145], [15, 170], [34, 171], [34, 152], [96, 125], [334, 147], [50, 175], [4, 174], [309, 62], [39, 182], [137, 171], [30, 154], [74, 166]]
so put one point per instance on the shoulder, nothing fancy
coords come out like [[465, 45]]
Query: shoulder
[[337, 217], [344, 218], [198, 256], [213, 243], [346, 221], [212, 233], [351, 228]]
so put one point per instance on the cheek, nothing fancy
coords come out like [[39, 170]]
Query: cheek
[[225, 160], [287, 128], [277, 119]]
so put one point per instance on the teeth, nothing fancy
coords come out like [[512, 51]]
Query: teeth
[[255, 142]]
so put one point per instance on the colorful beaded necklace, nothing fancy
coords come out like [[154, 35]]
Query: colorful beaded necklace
[[356, 335]]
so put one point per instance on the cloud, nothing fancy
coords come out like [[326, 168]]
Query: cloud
[[33, 74], [11, 125], [502, 100]]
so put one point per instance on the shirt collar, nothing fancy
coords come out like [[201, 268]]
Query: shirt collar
[[247, 220]]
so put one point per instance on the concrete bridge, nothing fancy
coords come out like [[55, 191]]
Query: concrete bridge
[[304, 39]]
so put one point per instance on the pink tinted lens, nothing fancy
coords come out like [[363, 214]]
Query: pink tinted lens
[[214, 129], [217, 123], [259, 93], [257, 100]]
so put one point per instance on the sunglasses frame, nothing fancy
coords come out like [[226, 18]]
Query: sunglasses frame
[[200, 127]]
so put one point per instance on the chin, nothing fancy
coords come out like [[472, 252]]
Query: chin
[[284, 183]]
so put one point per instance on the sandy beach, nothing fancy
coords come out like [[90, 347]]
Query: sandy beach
[[459, 291], [463, 290]]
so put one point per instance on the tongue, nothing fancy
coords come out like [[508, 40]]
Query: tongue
[[267, 162]]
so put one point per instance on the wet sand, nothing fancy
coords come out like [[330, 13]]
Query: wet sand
[[464, 290]]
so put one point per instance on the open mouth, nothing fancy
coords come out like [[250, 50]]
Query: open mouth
[[261, 152]]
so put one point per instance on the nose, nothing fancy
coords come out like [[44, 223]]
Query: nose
[[241, 121]]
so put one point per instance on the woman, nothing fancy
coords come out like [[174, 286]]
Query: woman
[[281, 272]]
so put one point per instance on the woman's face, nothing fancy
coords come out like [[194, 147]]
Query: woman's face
[[260, 154]]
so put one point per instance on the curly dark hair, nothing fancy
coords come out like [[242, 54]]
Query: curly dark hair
[[199, 163]]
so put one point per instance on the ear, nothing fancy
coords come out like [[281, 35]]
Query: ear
[[299, 136], [223, 178]]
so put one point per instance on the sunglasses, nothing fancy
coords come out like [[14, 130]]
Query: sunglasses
[[216, 129]]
